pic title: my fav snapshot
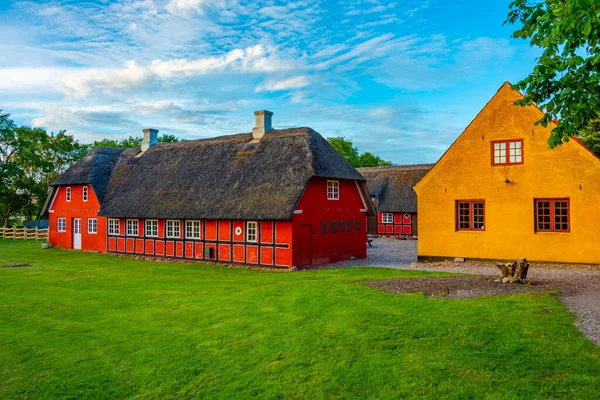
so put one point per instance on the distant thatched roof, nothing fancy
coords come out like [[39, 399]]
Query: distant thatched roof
[[393, 186], [226, 177]]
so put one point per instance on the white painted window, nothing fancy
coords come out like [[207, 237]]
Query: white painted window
[[173, 228], [192, 229], [113, 227], [85, 193], [132, 227], [152, 228], [62, 224], [387, 218], [333, 190], [508, 152], [68, 194], [251, 231], [515, 152], [92, 225]]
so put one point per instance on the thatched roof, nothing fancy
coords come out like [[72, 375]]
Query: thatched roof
[[227, 177], [393, 186], [95, 169]]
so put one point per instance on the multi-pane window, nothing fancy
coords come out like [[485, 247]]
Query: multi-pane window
[[324, 227], [173, 229], [387, 218], [357, 225], [132, 227], [85, 193], [333, 226], [92, 225], [192, 229], [552, 215], [507, 152], [152, 228], [349, 225], [470, 215], [251, 231], [68, 194], [113, 227], [62, 224], [333, 190]]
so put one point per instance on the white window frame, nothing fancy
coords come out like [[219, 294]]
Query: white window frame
[[190, 226], [135, 227], [251, 230], [68, 194], [114, 229], [333, 190], [92, 226], [151, 227], [171, 224], [85, 193], [387, 218], [61, 227]]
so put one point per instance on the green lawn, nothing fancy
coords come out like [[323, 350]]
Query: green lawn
[[77, 325]]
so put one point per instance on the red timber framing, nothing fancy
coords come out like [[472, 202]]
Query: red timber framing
[[219, 240], [393, 223]]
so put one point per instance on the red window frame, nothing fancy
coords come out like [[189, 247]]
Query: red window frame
[[507, 155], [470, 214], [564, 215]]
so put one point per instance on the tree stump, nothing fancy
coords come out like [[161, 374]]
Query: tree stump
[[515, 272]]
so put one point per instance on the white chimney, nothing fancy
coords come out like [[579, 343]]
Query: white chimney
[[263, 123], [150, 138]]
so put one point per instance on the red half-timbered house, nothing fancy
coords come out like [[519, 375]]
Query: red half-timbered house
[[278, 198], [390, 190]]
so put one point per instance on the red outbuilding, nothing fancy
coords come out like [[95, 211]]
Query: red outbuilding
[[278, 198], [390, 190]]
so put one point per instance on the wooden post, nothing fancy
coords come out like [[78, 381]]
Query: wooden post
[[36, 233]]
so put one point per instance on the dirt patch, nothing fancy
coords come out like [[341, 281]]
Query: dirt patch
[[458, 287]]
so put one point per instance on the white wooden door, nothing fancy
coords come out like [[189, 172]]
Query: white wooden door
[[77, 233]]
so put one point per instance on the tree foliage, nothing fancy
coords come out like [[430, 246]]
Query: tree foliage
[[565, 83], [591, 137], [347, 149], [129, 142], [31, 158]]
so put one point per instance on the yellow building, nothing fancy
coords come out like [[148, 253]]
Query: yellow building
[[499, 193]]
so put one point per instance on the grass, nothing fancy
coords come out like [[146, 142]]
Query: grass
[[78, 325]]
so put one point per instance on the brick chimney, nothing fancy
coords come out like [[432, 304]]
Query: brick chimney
[[263, 123], [150, 138]]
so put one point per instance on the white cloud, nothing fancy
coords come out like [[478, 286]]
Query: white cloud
[[174, 6], [297, 82]]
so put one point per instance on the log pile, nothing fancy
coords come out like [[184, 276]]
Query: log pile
[[515, 272]]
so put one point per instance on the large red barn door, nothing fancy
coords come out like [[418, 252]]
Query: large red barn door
[[306, 246]]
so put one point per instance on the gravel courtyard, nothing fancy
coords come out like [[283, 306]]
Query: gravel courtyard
[[579, 284]]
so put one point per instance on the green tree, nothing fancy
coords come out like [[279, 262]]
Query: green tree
[[565, 83], [130, 142], [591, 137], [371, 160], [347, 149], [30, 159]]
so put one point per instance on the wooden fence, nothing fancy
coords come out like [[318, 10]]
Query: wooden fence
[[23, 233]]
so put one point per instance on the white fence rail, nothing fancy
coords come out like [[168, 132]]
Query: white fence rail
[[23, 233]]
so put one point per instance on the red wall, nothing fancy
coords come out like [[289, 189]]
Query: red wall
[[76, 208], [273, 246], [403, 224], [316, 210]]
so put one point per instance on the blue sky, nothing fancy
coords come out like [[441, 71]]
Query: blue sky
[[401, 79]]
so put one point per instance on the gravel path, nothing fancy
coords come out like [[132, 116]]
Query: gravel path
[[579, 284]]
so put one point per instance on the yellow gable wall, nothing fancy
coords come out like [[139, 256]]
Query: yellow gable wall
[[465, 173]]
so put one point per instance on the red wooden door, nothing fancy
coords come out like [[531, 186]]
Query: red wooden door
[[306, 246]]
